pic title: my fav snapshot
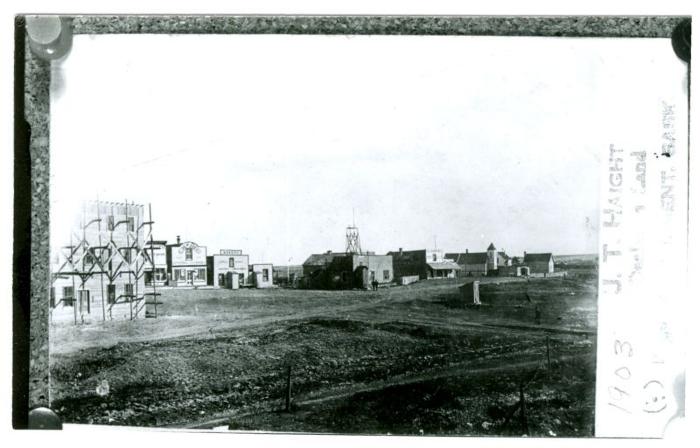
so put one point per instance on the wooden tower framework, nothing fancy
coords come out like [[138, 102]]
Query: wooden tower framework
[[85, 259]]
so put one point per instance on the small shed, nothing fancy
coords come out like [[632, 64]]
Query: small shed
[[232, 280], [470, 292]]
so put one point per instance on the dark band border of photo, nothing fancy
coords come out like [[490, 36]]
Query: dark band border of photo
[[31, 276]]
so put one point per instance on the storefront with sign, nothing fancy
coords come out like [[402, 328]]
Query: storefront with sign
[[223, 266], [187, 264]]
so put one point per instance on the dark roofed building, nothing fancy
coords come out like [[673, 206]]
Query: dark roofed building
[[542, 263], [424, 263], [340, 270], [462, 258], [479, 263], [320, 260], [409, 263]]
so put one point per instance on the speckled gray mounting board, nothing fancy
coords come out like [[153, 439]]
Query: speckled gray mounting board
[[37, 114]]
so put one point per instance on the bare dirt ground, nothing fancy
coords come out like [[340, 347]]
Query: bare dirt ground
[[400, 360]]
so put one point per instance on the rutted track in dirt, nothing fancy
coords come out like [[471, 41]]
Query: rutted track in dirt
[[451, 325], [407, 295], [248, 323], [339, 311], [461, 369]]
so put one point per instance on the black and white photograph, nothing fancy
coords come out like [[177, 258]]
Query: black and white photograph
[[360, 234]]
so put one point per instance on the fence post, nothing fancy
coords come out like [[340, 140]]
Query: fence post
[[523, 412], [288, 398]]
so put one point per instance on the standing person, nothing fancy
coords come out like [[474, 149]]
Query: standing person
[[375, 285]]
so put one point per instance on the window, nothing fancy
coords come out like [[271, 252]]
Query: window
[[386, 274], [52, 297], [68, 296], [188, 253], [434, 257], [129, 289], [151, 277], [84, 296], [89, 258], [201, 274], [231, 262], [130, 223], [266, 275], [222, 280], [111, 294], [110, 222]]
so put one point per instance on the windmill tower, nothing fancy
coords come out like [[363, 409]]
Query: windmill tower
[[352, 238]]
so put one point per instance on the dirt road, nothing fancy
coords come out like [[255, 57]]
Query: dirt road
[[216, 356]]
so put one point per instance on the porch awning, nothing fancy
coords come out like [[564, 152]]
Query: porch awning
[[444, 266]]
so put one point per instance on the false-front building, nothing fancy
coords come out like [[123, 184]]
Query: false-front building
[[187, 264], [228, 269]]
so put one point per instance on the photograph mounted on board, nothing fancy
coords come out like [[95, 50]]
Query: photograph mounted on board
[[358, 234]]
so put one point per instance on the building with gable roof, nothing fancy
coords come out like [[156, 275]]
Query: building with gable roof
[[341, 270], [542, 263], [480, 263]]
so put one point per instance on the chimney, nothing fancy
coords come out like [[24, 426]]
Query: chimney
[[178, 239], [466, 251], [400, 250], [524, 254]]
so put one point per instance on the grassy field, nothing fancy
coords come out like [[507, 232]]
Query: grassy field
[[402, 360]]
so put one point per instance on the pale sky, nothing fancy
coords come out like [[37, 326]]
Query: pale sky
[[266, 143]]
